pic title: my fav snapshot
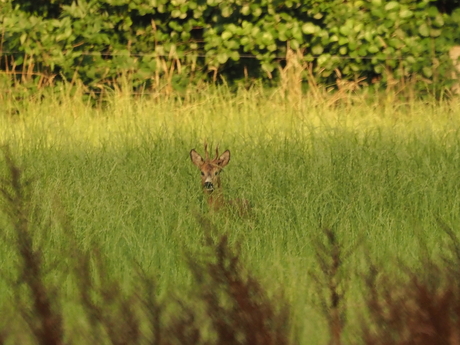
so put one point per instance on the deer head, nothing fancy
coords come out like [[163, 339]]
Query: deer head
[[210, 168]]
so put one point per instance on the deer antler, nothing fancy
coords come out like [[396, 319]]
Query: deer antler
[[217, 152], [206, 151]]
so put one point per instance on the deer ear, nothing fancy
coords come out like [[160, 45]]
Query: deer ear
[[224, 159], [196, 158]]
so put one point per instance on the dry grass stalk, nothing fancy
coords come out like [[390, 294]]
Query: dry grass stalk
[[330, 258], [237, 306], [43, 317], [454, 54], [292, 76]]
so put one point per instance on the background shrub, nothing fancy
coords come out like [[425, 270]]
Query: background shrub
[[97, 41]]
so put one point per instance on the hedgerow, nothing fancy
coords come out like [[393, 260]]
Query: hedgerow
[[97, 41]]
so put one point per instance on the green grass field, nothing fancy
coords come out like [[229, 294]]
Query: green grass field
[[379, 173]]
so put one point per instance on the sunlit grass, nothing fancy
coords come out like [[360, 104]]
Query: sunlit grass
[[215, 114], [380, 173]]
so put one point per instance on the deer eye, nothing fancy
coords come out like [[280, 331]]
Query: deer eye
[[216, 173], [202, 173]]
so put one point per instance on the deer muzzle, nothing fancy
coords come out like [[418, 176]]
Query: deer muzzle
[[208, 186]]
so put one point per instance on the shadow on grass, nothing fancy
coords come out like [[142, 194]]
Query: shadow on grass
[[228, 304], [233, 304]]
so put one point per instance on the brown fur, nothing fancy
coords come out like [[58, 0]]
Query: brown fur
[[210, 180]]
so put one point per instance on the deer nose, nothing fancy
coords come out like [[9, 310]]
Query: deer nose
[[209, 186]]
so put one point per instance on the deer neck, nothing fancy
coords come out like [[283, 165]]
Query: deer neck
[[216, 199]]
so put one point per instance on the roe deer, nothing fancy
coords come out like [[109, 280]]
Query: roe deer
[[210, 179]]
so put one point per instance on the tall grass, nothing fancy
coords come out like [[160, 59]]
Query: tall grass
[[380, 174]]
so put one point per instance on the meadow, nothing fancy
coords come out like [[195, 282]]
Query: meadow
[[381, 172]]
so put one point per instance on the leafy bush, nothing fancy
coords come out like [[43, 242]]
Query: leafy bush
[[96, 41]]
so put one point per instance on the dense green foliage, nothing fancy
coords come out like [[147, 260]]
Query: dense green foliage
[[99, 40]]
